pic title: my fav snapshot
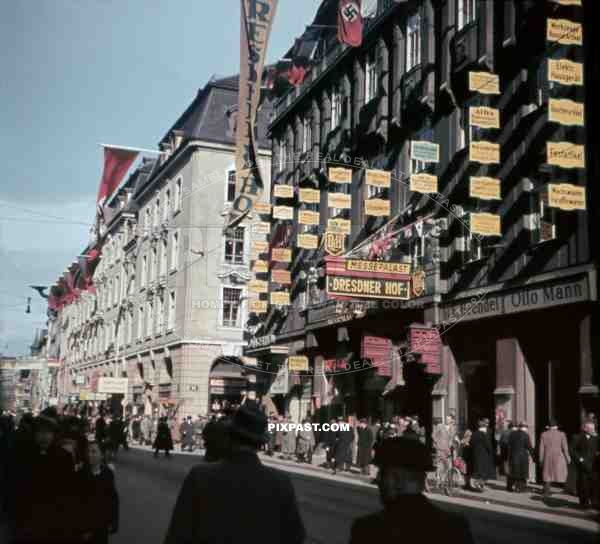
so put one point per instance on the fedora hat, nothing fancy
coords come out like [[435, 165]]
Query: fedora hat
[[250, 424]]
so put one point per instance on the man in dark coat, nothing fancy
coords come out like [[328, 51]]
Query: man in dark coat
[[519, 451], [328, 439], [407, 514], [163, 440], [365, 446], [187, 434], [343, 448], [584, 454], [482, 456], [226, 501]]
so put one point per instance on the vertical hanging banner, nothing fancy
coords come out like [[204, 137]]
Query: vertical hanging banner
[[350, 23], [255, 28]]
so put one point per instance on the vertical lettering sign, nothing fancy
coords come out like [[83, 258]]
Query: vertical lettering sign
[[255, 28]]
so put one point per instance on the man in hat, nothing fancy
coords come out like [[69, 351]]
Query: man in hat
[[205, 510], [554, 456], [584, 452], [519, 451], [403, 463]]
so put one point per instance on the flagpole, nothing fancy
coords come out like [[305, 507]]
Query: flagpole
[[140, 149]]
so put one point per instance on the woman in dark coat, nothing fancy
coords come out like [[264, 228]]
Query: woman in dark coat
[[365, 446], [482, 456], [343, 450], [519, 450], [163, 440]]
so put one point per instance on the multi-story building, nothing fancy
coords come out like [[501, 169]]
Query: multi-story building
[[170, 304], [445, 122]]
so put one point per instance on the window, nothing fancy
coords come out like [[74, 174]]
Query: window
[[370, 76], [163, 258], [336, 107], [306, 134], [282, 154], [545, 220], [167, 205], [157, 212], [473, 247], [466, 12], [413, 41], [171, 311], [159, 314], [230, 185], [117, 291], [129, 327], [140, 323], [465, 130], [231, 316], [144, 271], [234, 245], [153, 268], [174, 250], [147, 220], [368, 8], [177, 197], [372, 191], [149, 318], [417, 166]]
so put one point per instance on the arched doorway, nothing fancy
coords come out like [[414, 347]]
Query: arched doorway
[[227, 384]]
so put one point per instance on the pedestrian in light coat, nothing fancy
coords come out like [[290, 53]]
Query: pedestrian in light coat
[[305, 443], [289, 442], [519, 451], [146, 428], [554, 456]]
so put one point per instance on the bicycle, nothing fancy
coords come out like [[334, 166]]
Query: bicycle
[[448, 476]]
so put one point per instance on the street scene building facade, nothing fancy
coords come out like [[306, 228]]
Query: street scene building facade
[[440, 149], [170, 305]]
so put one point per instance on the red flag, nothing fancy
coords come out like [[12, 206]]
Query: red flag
[[296, 75], [350, 23], [116, 163]]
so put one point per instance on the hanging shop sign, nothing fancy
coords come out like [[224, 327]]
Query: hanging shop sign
[[379, 350], [280, 298], [565, 196], [280, 385], [484, 152], [426, 342], [484, 188], [341, 201], [261, 227], [260, 267], [263, 208], [306, 217], [378, 178], [281, 255], [340, 175], [308, 241], [297, 363], [283, 277], [567, 2], [486, 224], [424, 151], [341, 226], [377, 207], [348, 286], [259, 246], [484, 117], [310, 196], [283, 212], [362, 267], [484, 83], [258, 286], [566, 112], [257, 306], [564, 32], [423, 183], [565, 154], [335, 243], [112, 385], [565, 72], [283, 191]]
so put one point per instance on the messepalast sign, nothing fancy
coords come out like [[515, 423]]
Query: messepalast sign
[[358, 278]]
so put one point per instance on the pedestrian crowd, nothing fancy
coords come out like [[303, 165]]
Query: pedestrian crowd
[[55, 483]]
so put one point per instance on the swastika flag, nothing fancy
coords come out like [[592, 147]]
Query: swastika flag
[[350, 23]]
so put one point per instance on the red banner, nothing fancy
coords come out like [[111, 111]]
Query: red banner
[[116, 163], [350, 23], [378, 349]]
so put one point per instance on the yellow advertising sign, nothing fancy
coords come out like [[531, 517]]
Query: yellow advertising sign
[[283, 277], [308, 241], [368, 287], [385, 267], [340, 175], [283, 212], [340, 226], [423, 183], [565, 72], [281, 255], [283, 191], [484, 117], [567, 2], [298, 363], [339, 200], [484, 152], [565, 154], [259, 246], [566, 196], [377, 207], [310, 196], [261, 227], [258, 306], [378, 178], [335, 243], [262, 208], [484, 188], [258, 286], [564, 32], [484, 83], [306, 217], [260, 267], [566, 112], [486, 224], [280, 298]]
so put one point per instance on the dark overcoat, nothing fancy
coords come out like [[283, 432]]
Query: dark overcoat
[[412, 518], [102, 501], [482, 456], [519, 450], [163, 440], [365, 446], [343, 447], [584, 452], [236, 500]]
